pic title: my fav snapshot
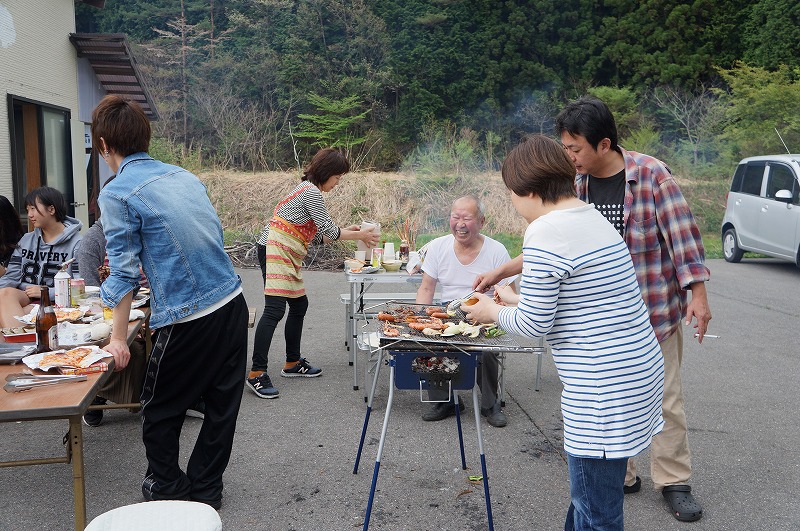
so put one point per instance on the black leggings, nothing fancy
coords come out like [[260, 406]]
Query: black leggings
[[274, 308]]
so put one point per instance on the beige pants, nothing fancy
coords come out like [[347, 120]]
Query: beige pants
[[670, 459]]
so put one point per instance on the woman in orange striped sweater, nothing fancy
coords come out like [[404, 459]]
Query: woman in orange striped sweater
[[299, 220]]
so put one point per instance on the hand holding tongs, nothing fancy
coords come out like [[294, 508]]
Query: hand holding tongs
[[23, 382]]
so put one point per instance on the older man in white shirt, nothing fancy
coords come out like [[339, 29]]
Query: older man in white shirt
[[453, 262]]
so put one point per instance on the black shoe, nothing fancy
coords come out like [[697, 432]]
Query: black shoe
[[441, 410], [197, 411], [302, 369], [262, 386], [94, 417], [636, 487], [495, 416]]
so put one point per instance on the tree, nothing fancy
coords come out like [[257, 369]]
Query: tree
[[699, 114], [772, 34], [334, 124], [758, 102]]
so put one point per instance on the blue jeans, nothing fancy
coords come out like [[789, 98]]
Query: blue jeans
[[595, 487]]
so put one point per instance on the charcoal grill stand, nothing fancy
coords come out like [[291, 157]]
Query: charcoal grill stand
[[393, 356]]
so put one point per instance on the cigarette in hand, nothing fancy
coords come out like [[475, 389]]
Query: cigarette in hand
[[707, 335]]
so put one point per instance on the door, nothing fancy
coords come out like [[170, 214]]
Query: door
[[746, 201], [41, 151], [778, 223]]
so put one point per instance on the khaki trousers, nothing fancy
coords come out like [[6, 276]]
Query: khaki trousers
[[670, 459]]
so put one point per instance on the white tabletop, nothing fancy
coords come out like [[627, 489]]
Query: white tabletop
[[384, 277]]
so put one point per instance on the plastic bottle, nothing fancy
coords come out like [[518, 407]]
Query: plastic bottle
[[61, 281], [77, 289], [46, 324]]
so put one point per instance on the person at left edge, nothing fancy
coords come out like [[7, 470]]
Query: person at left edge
[[160, 216]]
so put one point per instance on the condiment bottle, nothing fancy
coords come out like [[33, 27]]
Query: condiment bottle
[[404, 250], [61, 282], [46, 324]]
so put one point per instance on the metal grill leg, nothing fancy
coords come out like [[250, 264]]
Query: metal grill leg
[[483, 459], [380, 449], [460, 433]]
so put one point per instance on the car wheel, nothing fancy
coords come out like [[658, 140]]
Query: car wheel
[[730, 248]]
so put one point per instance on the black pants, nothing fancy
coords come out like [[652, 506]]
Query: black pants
[[201, 358], [274, 308]]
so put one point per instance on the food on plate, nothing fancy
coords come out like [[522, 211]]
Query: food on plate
[[18, 330], [68, 314], [71, 358]]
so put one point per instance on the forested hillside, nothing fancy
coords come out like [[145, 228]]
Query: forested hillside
[[450, 84]]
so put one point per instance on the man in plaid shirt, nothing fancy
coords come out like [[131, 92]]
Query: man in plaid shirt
[[639, 196]]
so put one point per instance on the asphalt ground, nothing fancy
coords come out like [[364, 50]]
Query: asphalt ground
[[292, 464]]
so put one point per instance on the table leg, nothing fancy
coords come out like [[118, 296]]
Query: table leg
[[78, 484], [352, 331]]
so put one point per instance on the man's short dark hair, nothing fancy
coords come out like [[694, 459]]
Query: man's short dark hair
[[590, 118]]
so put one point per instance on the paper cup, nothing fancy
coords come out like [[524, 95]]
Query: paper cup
[[361, 255]]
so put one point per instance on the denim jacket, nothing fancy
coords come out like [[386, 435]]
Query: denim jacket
[[160, 216]]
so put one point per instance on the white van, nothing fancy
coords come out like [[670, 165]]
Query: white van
[[762, 214]]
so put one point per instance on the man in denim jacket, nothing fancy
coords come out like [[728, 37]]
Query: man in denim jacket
[[160, 216]]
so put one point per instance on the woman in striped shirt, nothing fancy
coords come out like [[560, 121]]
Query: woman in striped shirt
[[299, 219], [578, 287]]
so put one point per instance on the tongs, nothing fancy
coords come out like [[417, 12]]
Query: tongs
[[23, 382], [453, 306]]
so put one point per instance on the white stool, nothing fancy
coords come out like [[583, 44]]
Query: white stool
[[161, 515]]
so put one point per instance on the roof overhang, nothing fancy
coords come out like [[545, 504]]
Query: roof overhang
[[115, 67]]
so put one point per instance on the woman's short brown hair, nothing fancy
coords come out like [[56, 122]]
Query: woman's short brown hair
[[122, 124], [539, 166], [325, 164]]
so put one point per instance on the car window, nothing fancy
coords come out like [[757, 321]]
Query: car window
[[736, 185], [753, 175], [782, 178]]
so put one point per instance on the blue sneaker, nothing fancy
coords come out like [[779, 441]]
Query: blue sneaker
[[262, 386], [302, 369]]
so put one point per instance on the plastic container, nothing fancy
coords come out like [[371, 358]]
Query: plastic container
[[61, 281]]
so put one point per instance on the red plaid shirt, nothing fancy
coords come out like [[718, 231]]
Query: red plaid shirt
[[663, 239]]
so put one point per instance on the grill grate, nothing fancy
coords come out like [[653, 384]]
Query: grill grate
[[417, 337]]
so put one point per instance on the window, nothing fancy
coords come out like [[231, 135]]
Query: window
[[782, 178], [753, 175]]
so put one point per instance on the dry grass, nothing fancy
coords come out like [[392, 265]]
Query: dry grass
[[245, 201]]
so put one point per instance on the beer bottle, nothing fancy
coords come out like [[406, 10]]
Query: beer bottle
[[46, 324]]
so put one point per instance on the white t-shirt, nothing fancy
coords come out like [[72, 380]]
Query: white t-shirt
[[454, 278]]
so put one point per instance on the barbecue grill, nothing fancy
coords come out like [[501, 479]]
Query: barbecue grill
[[409, 355]]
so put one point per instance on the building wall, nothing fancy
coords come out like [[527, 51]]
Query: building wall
[[38, 62]]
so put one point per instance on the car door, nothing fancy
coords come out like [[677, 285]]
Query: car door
[[778, 222], [745, 201]]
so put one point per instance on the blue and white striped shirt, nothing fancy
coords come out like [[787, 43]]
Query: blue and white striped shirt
[[578, 287]]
